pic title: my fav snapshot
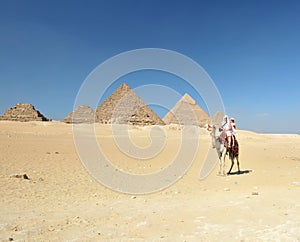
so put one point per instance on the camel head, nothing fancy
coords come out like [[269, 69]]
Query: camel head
[[208, 127], [213, 135]]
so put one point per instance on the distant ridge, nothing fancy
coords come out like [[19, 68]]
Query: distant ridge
[[24, 113], [82, 114], [124, 106], [187, 112]]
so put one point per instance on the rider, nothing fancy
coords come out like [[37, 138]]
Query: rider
[[224, 123], [233, 126], [227, 128]]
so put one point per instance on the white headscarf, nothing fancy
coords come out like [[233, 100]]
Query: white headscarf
[[225, 121]]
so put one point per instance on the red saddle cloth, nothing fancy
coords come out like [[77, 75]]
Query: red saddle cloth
[[235, 146]]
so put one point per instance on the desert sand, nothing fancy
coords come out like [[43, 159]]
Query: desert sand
[[61, 202]]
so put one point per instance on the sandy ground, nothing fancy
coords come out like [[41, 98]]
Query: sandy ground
[[62, 202]]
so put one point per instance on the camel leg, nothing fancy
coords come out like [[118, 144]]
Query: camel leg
[[223, 163], [221, 170], [220, 164], [232, 163], [238, 163], [231, 157]]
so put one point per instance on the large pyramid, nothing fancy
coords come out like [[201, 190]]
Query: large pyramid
[[187, 112], [24, 113], [82, 114], [124, 106]]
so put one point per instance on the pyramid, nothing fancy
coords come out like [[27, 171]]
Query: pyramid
[[187, 112], [82, 114], [124, 106], [217, 119], [24, 113]]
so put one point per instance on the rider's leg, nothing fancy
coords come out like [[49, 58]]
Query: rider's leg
[[229, 141], [229, 138]]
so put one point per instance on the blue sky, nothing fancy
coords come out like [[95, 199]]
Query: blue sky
[[251, 50]]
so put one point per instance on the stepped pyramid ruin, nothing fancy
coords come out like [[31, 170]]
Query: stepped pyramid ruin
[[187, 112], [24, 113], [82, 114], [124, 106]]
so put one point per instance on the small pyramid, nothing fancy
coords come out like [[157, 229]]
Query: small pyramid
[[124, 106], [23, 112], [217, 119], [187, 112], [82, 114]]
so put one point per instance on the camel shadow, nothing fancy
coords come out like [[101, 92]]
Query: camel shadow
[[240, 172]]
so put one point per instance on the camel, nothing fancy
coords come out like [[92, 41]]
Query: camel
[[222, 151]]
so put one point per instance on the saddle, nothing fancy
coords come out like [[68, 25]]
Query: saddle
[[224, 140], [234, 146]]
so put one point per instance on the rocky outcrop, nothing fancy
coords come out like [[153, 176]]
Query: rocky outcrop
[[124, 106], [187, 112], [23, 113], [82, 114]]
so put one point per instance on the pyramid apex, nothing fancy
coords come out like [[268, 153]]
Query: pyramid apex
[[124, 86], [84, 106], [187, 98]]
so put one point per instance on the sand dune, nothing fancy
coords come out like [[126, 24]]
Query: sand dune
[[61, 202]]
